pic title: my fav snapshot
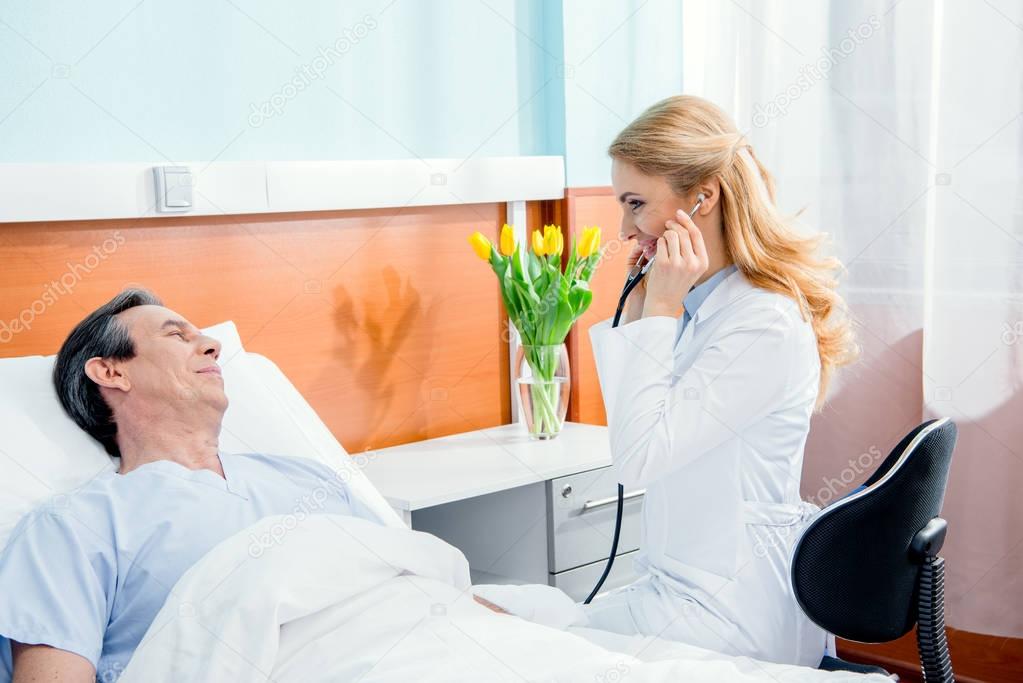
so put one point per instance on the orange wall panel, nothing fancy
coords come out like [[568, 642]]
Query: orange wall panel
[[358, 308], [586, 207]]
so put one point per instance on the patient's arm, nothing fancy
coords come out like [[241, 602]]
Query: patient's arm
[[44, 663]]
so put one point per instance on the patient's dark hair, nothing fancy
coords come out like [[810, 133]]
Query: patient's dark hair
[[100, 334]]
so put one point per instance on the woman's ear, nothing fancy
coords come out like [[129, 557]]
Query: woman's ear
[[711, 191]]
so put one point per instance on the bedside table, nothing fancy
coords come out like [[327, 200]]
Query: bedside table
[[522, 511]]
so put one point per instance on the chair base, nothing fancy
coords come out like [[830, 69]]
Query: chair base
[[932, 644]]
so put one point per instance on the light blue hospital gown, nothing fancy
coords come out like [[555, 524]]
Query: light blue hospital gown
[[88, 571]]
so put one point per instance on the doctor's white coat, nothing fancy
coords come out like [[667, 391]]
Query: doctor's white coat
[[713, 428]]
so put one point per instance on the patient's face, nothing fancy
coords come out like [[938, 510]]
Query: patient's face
[[174, 361]]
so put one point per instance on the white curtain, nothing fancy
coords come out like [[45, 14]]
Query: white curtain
[[897, 126]]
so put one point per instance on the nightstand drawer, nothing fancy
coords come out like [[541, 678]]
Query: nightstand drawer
[[581, 518], [577, 583]]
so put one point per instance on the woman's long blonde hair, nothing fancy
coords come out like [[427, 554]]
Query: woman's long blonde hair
[[687, 140]]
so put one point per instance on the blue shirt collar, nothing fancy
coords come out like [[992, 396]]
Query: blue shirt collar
[[698, 294]]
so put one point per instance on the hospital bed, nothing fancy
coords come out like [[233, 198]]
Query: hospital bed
[[44, 455]]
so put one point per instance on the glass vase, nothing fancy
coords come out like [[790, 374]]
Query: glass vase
[[543, 381]]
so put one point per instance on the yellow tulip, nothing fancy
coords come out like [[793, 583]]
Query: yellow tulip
[[538, 243], [553, 242], [507, 240], [481, 245], [589, 243]]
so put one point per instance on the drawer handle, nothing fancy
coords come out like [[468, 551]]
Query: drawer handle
[[601, 502]]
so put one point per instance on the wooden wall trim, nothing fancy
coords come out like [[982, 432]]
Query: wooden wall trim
[[593, 191], [97, 191], [585, 206], [976, 657]]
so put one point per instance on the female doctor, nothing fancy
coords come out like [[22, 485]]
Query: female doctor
[[722, 355]]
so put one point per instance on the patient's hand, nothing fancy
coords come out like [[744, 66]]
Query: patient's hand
[[538, 603], [487, 603]]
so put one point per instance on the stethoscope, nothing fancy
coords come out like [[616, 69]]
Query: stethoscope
[[634, 277]]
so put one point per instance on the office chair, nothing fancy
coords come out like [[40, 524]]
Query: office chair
[[866, 568]]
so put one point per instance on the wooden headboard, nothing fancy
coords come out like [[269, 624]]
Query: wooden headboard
[[384, 319]]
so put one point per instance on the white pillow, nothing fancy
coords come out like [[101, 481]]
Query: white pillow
[[44, 453]]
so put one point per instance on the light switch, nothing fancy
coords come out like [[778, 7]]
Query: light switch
[[173, 188]]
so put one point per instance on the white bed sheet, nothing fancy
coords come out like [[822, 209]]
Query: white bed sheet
[[343, 599]]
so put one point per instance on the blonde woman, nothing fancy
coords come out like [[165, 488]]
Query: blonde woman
[[723, 353]]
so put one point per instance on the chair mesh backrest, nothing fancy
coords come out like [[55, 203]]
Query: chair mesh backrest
[[852, 572]]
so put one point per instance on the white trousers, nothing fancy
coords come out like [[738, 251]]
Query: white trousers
[[650, 607]]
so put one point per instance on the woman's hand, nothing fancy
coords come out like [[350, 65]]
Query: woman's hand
[[681, 260]]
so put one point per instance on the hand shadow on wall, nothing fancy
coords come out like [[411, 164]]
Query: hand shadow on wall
[[372, 331]]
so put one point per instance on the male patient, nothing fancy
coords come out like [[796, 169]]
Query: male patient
[[83, 576]]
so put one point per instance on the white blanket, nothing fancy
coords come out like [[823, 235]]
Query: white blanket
[[333, 598]]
